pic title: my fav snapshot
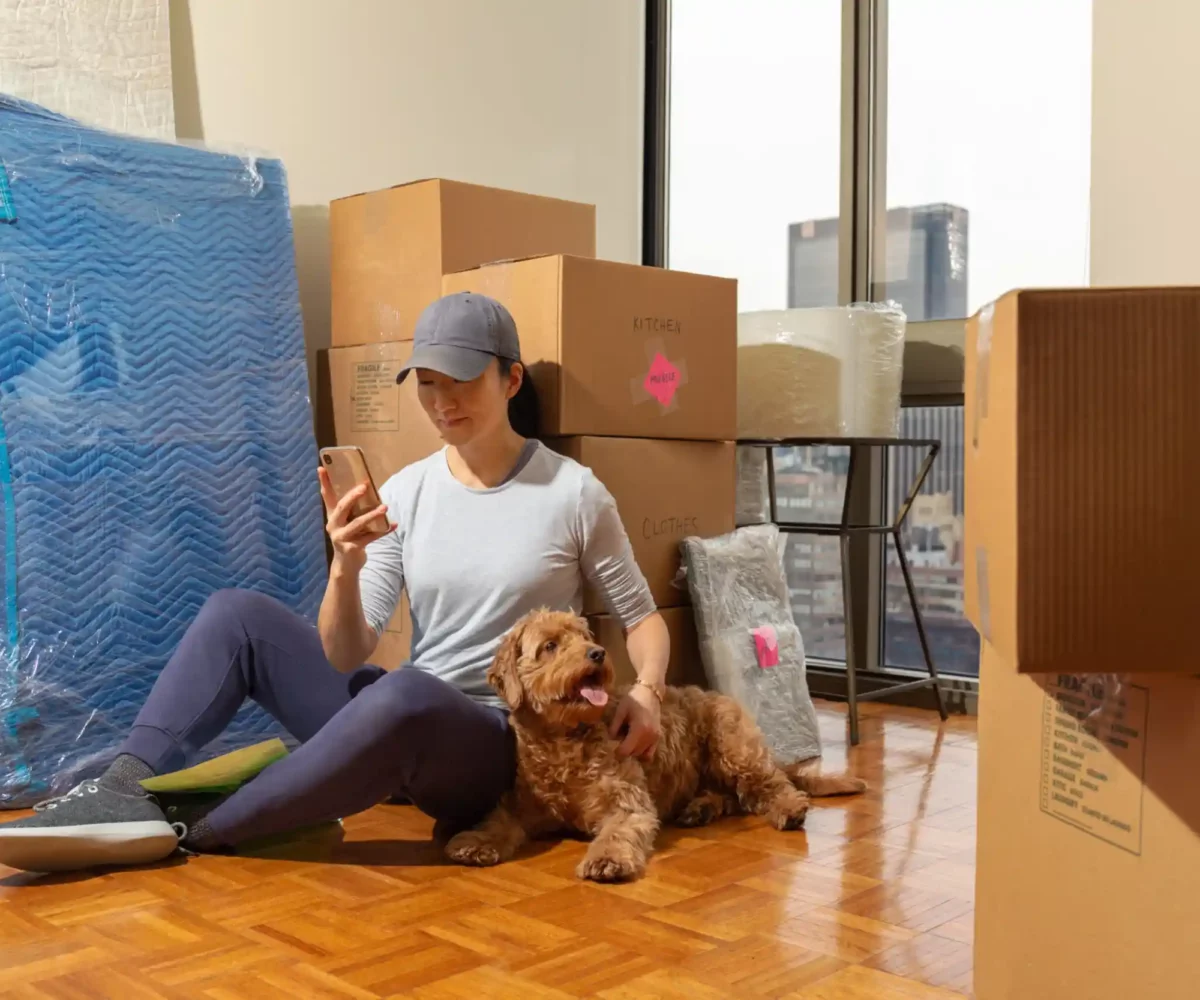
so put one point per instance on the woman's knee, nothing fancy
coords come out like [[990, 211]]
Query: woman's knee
[[231, 609], [406, 703]]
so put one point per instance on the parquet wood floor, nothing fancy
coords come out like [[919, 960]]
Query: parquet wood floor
[[873, 901]]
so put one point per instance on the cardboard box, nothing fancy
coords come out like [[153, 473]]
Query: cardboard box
[[389, 249], [684, 667], [323, 403], [619, 350], [371, 411], [1088, 871], [1082, 430], [664, 491]]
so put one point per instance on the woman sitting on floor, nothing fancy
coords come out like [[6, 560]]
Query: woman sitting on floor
[[490, 527]]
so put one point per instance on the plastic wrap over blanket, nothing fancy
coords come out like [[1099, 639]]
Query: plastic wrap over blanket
[[749, 642], [156, 437]]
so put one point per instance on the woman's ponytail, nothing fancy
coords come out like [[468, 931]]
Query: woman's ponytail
[[523, 410]]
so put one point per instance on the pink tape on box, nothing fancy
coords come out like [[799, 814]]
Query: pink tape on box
[[663, 379], [766, 646]]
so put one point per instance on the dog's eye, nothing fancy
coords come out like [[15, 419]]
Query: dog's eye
[[550, 646]]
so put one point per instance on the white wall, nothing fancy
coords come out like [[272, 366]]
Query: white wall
[[1145, 143], [103, 62], [542, 96]]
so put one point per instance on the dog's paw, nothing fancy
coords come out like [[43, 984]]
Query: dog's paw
[[469, 848], [698, 812], [604, 867], [789, 816]]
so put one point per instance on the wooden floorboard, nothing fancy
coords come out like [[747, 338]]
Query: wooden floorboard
[[873, 901]]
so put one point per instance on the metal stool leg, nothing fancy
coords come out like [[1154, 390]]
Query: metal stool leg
[[847, 618], [920, 620], [772, 503]]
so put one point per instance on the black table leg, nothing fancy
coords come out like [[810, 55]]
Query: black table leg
[[848, 620], [845, 531], [774, 515], [920, 620]]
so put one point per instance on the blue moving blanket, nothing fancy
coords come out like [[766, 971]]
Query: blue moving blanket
[[156, 438]]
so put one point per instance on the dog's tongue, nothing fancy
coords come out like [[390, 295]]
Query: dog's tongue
[[597, 696]]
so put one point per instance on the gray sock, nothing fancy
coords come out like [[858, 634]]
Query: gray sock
[[125, 774], [201, 839]]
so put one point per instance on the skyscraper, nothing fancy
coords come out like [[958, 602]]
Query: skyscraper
[[925, 263]]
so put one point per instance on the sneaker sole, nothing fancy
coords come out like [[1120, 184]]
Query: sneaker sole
[[72, 848]]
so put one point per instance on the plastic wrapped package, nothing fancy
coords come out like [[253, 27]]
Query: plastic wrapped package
[[820, 373], [753, 503], [749, 642], [156, 439]]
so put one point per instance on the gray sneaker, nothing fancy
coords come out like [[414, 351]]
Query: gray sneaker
[[90, 826]]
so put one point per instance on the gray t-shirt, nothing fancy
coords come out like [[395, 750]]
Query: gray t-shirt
[[474, 561]]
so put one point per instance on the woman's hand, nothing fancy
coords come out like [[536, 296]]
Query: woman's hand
[[641, 715], [350, 537]]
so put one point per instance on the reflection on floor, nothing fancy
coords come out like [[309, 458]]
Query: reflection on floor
[[872, 901]]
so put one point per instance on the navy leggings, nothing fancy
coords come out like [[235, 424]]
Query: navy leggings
[[364, 736]]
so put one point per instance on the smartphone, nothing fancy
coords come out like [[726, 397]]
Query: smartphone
[[347, 468]]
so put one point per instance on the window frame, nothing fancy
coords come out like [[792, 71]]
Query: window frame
[[931, 377]]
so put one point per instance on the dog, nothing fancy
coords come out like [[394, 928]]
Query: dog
[[710, 761]]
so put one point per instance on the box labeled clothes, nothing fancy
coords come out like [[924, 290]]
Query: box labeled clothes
[[665, 491]]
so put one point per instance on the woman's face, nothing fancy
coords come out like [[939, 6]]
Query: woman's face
[[465, 411]]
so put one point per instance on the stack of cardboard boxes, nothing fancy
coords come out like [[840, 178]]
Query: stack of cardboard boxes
[[635, 367], [1082, 473]]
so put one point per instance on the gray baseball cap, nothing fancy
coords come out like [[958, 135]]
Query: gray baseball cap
[[460, 334]]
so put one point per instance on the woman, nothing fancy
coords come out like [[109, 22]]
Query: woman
[[483, 531]]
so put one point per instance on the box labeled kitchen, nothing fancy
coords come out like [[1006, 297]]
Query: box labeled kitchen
[[618, 350]]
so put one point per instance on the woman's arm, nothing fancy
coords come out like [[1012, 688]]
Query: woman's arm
[[347, 638], [366, 578], [649, 646], [607, 562], [606, 557]]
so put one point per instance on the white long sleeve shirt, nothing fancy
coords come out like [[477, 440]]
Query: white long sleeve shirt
[[475, 560]]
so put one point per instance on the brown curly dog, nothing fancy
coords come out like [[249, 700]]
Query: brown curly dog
[[711, 760]]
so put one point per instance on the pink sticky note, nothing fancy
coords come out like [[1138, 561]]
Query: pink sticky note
[[662, 380], [766, 646]]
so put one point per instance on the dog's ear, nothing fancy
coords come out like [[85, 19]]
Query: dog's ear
[[502, 674]]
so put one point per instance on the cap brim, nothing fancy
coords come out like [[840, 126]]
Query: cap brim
[[459, 363]]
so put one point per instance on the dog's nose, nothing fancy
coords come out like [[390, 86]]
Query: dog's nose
[[596, 654]]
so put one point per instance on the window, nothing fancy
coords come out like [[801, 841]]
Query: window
[[988, 151], [755, 122], [810, 484], [931, 152], [933, 540], [750, 166]]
